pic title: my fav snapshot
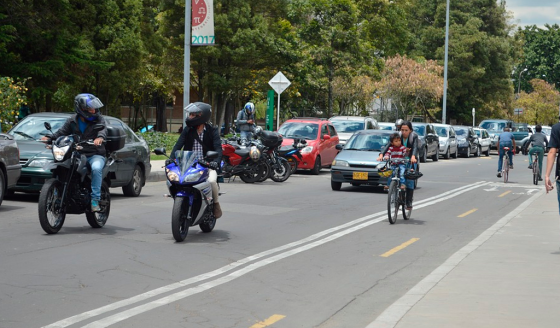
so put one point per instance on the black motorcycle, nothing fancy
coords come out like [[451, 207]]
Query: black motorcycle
[[280, 169], [292, 153], [68, 192]]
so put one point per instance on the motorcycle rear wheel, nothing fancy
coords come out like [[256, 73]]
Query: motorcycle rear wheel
[[282, 173], [293, 164], [208, 225], [254, 174], [98, 219], [51, 215], [180, 223]]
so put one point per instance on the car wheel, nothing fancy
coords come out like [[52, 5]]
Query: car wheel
[[468, 154], [477, 154], [317, 167], [134, 187], [2, 186], [424, 156], [447, 154], [435, 158], [487, 153], [336, 185], [456, 155]]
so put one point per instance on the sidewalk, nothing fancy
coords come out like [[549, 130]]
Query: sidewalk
[[509, 276], [157, 173]]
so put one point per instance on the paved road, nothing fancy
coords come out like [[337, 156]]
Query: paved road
[[292, 254]]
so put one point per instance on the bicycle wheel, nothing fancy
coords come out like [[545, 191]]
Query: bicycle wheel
[[407, 214], [505, 168], [535, 172], [393, 202]]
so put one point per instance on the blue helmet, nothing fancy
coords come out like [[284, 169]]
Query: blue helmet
[[84, 102], [249, 108]]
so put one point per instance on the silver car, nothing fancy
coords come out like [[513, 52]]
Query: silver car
[[447, 140], [345, 126], [357, 161]]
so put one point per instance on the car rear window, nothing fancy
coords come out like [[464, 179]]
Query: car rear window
[[348, 126]]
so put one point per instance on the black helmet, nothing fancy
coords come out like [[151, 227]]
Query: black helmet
[[399, 122], [412, 174], [201, 111], [84, 102]]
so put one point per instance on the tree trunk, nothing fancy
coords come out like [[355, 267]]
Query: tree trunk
[[161, 122]]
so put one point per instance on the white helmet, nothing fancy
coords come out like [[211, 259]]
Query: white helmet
[[255, 153]]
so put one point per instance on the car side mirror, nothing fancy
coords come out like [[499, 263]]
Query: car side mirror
[[326, 137], [338, 147]]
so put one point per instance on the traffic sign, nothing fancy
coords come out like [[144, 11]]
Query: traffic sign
[[518, 111], [279, 83]]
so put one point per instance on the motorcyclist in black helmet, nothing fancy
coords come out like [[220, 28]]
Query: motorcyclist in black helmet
[[87, 115], [199, 136]]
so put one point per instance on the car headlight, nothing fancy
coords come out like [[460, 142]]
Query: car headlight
[[39, 162], [340, 163], [59, 152], [193, 177], [172, 176], [307, 150], [442, 143]]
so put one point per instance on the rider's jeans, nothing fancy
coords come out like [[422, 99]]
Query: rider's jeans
[[96, 162], [540, 151], [401, 168], [245, 135], [510, 153], [213, 178]]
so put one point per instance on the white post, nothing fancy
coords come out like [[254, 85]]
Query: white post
[[473, 117]]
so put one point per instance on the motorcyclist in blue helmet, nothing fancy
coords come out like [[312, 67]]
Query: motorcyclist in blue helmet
[[246, 120]]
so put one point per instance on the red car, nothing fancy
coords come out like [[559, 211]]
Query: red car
[[321, 138]]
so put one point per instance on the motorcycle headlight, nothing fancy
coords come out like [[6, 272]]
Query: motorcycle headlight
[[340, 163], [39, 162], [172, 176], [193, 177], [59, 152], [307, 150]]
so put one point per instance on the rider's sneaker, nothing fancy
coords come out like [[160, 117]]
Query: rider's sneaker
[[217, 211], [511, 167], [499, 175], [403, 187], [95, 206], [540, 179], [385, 187], [530, 166]]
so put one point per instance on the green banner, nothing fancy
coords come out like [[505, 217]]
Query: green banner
[[270, 111]]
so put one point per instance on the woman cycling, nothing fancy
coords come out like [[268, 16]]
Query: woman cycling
[[410, 141]]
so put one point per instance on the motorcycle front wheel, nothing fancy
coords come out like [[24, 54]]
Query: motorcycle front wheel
[[51, 213], [98, 219], [180, 222], [282, 173]]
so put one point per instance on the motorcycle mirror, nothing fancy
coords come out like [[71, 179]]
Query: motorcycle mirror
[[160, 151], [212, 155], [47, 126]]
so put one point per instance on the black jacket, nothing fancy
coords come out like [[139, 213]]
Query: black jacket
[[71, 126], [210, 139], [411, 144]]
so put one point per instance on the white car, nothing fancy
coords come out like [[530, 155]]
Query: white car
[[447, 140], [345, 126], [484, 140]]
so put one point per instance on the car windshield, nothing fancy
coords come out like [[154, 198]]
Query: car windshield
[[420, 129], [461, 132], [33, 127], [347, 126], [300, 130], [367, 142], [493, 126], [441, 131]]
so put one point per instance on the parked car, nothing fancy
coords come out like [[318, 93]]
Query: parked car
[[129, 172], [321, 138], [494, 128], [10, 169], [525, 146], [447, 140], [467, 140], [429, 141], [357, 161], [483, 140], [346, 126], [387, 126]]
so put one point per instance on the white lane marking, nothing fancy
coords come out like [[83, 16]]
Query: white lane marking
[[141, 297], [396, 311]]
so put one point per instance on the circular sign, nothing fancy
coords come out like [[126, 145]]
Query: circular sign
[[199, 12]]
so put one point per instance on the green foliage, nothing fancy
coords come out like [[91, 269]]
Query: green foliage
[[157, 139], [12, 96]]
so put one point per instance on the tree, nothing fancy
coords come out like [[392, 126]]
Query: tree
[[12, 96], [541, 105], [412, 85]]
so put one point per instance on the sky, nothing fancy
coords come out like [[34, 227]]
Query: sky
[[534, 12]]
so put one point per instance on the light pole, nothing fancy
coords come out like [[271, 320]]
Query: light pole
[[444, 109], [519, 82], [473, 111]]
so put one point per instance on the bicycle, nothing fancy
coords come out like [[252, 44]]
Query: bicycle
[[505, 165], [397, 196], [536, 171]]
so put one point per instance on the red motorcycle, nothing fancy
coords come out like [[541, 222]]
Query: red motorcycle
[[244, 162]]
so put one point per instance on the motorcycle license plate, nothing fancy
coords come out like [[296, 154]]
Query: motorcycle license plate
[[360, 175]]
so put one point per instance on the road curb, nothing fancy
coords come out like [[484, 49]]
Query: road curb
[[156, 176]]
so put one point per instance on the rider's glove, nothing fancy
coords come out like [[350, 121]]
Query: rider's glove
[[213, 165], [168, 161]]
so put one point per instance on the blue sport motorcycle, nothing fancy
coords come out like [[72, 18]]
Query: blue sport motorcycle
[[187, 181]]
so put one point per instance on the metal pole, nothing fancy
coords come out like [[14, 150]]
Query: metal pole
[[187, 60], [443, 118], [278, 114]]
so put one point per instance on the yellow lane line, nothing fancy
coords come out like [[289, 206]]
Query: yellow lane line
[[467, 213], [268, 321], [505, 193], [398, 248]]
